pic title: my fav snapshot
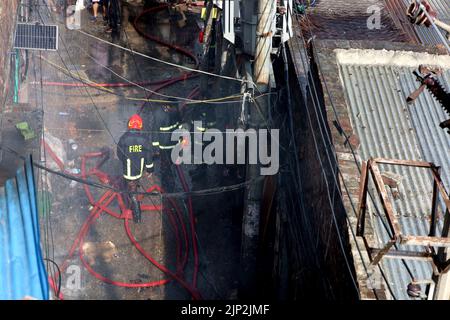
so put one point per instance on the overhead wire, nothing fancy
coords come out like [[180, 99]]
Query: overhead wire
[[322, 121], [315, 98], [296, 181], [90, 83], [95, 107], [43, 187], [106, 127], [165, 62], [385, 226], [295, 173], [203, 192], [340, 238], [48, 226], [87, 91], [210, 191]]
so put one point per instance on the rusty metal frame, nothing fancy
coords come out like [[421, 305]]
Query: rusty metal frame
[[371, 168]]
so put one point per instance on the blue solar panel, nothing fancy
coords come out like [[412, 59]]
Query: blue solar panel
[[36, 37]]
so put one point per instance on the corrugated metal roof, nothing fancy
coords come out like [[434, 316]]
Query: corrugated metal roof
[[429, 35], [388, 128], [22, 271]]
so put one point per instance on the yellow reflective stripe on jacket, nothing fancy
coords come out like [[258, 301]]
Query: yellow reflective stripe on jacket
[[148, 166], [169, 128], [128, 175], [214, 13], [155, 143], [203, 14], [167, 147]]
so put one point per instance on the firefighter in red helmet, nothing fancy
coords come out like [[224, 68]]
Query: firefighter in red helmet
[[134, 150]]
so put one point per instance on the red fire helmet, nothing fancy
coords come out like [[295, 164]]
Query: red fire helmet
[[135, 122]]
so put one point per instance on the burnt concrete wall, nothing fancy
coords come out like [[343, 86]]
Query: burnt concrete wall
[[313, 258], [323, 207], [8, 9]]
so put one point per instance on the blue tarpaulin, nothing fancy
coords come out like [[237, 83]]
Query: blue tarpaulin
[[22, 270]]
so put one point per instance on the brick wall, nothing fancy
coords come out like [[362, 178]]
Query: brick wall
[[327, 217], [317, 254], [336, 110], [8, 9]]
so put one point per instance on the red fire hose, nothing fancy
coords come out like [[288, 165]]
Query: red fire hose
[[157, 40], [101, 206]]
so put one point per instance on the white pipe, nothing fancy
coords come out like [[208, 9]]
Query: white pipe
[[442, 25]]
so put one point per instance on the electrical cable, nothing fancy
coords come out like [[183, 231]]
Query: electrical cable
[[355, 160], [341, 196], [203, 192], [295, 170], [58, 291], [340, 173], [94, 104], [105, 88], [180, 172], [162, 61], [335, 181], [48, 229], [101, 118], [47, 211], [341, 244]]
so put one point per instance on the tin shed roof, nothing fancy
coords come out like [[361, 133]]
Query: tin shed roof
[[22, 271], [387, 127]]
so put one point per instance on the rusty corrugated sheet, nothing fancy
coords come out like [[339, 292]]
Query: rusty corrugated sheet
[[397, 8], [347, 20], [388, 128], [419, 34]]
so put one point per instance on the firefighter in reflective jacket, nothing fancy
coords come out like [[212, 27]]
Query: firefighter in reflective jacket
[[134, 150], [204, 115], [167, 118]]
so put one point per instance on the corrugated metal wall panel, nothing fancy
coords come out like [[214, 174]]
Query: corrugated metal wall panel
[[387, 127], [22, 271]]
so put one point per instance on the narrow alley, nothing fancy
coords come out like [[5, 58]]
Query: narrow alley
[[227, 150], [87, 90]]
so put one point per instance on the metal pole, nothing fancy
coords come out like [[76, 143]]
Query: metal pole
[[442, 291], [252, 210]]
